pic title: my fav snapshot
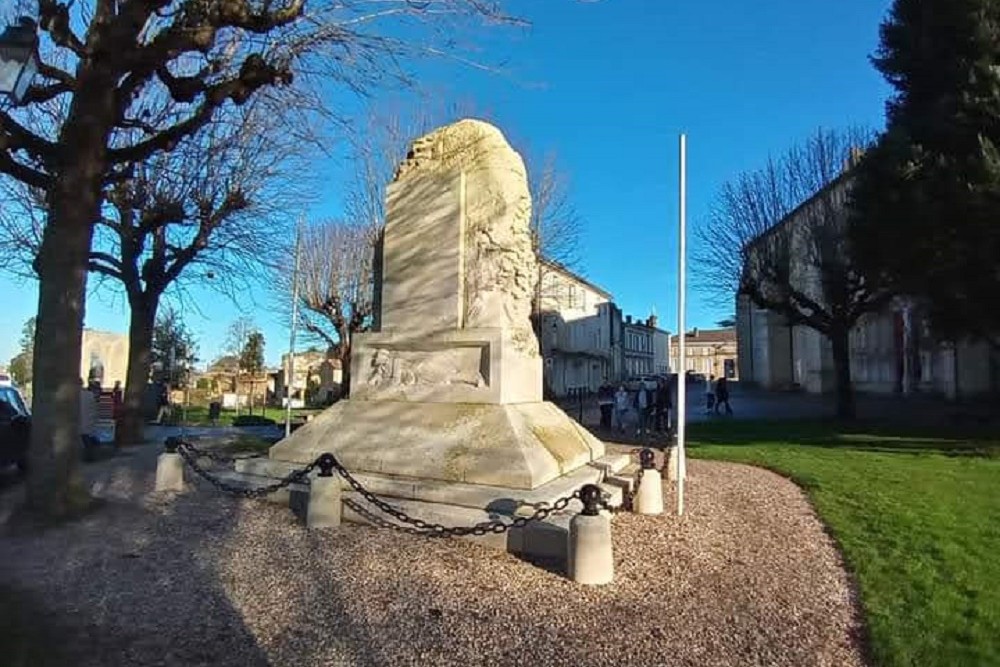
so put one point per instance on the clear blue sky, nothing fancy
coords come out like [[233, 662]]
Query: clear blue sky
[[608, 86]]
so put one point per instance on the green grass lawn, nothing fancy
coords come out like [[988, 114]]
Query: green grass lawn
[[917, 516], [198, 415]]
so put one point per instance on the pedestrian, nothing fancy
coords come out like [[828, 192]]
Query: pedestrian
[[644, 406], [722, 395], [709, 394], [663, 406], [606, 402], [162, 403], [621, 407]]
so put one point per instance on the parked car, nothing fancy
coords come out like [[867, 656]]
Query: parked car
[[15, 428]]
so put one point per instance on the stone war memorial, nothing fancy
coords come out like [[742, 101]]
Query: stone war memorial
[[446, 418]]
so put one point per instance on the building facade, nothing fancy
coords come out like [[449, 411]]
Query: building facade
[[644, 348], [577, 332], [103, 357], [891, 351], [315, 379], [709, 352]]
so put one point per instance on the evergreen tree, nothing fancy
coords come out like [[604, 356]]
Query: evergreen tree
[[173, 350], [927, 196], [20, 365]]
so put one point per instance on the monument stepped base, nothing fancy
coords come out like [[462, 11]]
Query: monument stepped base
[[455, 504], [512, 446]]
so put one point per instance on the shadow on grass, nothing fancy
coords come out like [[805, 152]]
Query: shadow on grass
[[874, 436]]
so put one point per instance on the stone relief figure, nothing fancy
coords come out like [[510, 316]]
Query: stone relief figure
[[438, 367]]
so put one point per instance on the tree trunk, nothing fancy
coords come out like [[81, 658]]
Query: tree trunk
[[344, 352], [840, 342], [345, 371], [74, 204], [140, 342]]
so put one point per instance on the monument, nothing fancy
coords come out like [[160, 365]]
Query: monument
[[446, 393]]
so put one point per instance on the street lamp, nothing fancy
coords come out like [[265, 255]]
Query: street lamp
[[18, 58]]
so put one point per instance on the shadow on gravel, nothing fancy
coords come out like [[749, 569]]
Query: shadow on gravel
[[123, 586]]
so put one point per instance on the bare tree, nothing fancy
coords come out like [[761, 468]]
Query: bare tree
[[556, 230], [137, 78], [778, 235], [336, 289], [209, 212]]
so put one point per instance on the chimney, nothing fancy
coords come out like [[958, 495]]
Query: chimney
[[652, 321], [694, 332], [628, 319]]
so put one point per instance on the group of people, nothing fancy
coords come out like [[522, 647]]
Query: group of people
[[717, 395], [651, 403]]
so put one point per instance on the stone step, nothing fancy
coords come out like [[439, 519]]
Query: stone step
[[611, 463], [472, 496]]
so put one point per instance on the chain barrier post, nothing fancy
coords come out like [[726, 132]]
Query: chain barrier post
[[170, 467], [324, 510], [649, 491], [591, 559]]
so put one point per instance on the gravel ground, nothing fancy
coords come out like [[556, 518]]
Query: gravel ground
[[747, 577]]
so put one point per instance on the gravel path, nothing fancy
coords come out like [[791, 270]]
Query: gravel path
[[748, 577]]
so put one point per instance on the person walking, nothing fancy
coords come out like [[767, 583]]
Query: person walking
[[621, 408], [606, 402], [722, 395], [644, 405], [709, 394], [663, 406], [162, 403]]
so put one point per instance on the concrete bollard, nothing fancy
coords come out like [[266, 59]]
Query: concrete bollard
[[649, 496], [591, 558], [324, 509], [170, 472]]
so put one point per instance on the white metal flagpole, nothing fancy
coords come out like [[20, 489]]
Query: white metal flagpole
[[290, 376], [681, 338]]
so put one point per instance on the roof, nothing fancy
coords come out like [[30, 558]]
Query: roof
[[561, 268], [709, 336], [794, 213]]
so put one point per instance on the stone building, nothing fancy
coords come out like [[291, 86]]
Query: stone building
[[891, 350], [104, 357], [578, 334], [709, 352], [316, 379], [644, 347]]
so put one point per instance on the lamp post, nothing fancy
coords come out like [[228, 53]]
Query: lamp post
[[18, 59]]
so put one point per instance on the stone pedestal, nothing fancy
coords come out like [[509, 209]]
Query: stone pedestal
[[649, 496], [169, 472], [591, 558], [324, 508]]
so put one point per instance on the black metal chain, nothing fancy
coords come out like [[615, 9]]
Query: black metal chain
[[190, 456], [218, 458], [542, 510], [328, 462]]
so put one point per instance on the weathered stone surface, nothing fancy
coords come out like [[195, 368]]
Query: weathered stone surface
[[649, 497], [324, 508], [447, 390], [521, 445], [591, 557], [169, 472]]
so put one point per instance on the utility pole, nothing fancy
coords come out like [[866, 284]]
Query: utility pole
[[681, 338], [290, 377]]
